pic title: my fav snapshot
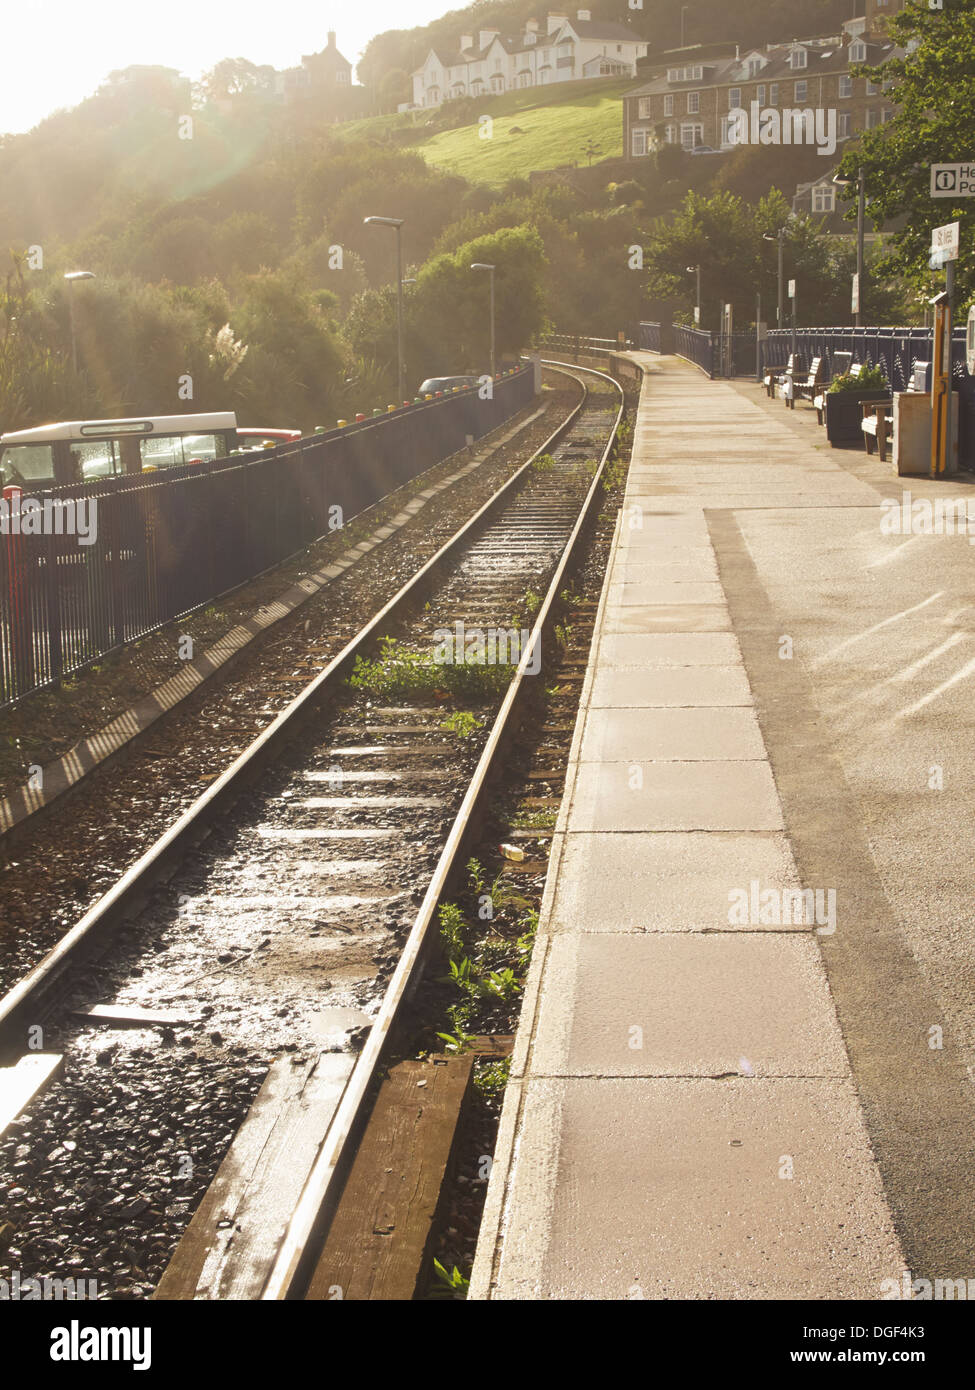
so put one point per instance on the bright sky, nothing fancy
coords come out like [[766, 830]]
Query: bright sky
[[56, 52]]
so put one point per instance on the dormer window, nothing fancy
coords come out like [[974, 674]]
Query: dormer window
[[798, 58], [754, 66], [858, 52], [695, 74]]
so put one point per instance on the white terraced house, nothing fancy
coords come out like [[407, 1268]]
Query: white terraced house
[[566, 50]]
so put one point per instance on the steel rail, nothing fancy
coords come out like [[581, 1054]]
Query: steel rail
[[27, 1002], [301, 1246]]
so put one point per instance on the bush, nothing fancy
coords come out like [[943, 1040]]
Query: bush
[[870, 379]]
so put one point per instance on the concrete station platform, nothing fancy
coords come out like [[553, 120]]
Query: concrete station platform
[[683, 1119]]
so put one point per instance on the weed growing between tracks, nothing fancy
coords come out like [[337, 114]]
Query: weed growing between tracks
[[400, 669]]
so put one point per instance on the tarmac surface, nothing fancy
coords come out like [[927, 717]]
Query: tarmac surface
[[722, 1088]]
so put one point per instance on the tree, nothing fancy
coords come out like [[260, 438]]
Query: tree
[[395, 88], [233, 77], [932, 94], [452, 300], [735, 244]]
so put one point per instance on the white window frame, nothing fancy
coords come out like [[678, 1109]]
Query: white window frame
[[773, 94], [697, 129], [823, 199], [669, 104], [804, 94], [638, 142], [846, 85], [693, 103], [734, 98]]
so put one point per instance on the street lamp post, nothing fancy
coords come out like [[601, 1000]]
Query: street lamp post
[[781, 302], [396, 222], [861, 213], [482, 265], [697, 269], [71, 277]]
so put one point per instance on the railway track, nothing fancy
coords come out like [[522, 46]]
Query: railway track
[[289, 910]]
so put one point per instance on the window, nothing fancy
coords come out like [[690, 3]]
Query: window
[[846, 86], [693, 103], [844, 125], [823, 198], [169, 451], [644, 108], [96, 460], [760, 94], [886, 115], [668, 106], [691, 135], [858, 52], [798, 58], [801, 88], [754, 66], [773, 94], [873, 118], [695, 74], [26, 462], [638, 143], [669, 134], [734, 98]]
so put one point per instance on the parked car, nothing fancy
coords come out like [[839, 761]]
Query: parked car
[[703, 149], [433, 384]]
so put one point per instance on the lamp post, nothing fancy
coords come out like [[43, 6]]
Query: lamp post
[[683, 12], [482, 265], [690, 270], [396, 222], [781, 240], [71, 277], [861, 212]]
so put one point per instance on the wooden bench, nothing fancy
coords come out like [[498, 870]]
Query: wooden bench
[[819, 401], [813, 383], [877, 425], [776, 376]]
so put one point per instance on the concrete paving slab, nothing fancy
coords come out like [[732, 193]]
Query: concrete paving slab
[[666, 617], [666, 882], [633, 593], [719, 1005], [636, 735], [693, 564], [670, 687], [685, 1194], [668, 649], [675, 796]]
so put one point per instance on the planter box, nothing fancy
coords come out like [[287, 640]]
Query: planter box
[[843, 414]]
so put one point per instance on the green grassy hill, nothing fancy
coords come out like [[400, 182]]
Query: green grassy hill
[[538, 128]]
